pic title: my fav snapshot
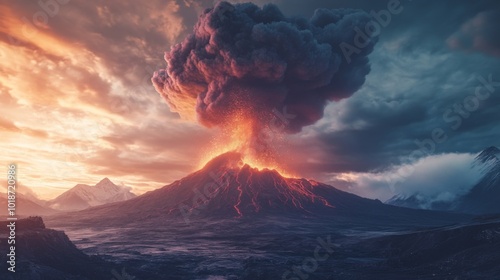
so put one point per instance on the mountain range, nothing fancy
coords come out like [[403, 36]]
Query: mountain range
[[227, 189], [482, 198], [84, 196], [77, 198]]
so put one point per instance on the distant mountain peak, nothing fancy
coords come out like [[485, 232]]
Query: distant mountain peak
[[83, 196], [492, 149], [488, 154], [106, 184], [106, 180]]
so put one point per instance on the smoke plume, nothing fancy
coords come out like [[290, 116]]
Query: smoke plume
[[243, 64]]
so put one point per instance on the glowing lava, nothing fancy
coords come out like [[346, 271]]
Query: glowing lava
[[246, 190], [257, 149], [247, 159]]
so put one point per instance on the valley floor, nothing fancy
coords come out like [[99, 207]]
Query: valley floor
[[264, 249]]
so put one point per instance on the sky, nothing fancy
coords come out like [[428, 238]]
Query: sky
[[78, 103]]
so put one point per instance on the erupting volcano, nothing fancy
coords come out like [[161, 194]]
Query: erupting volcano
[[257, 75], [238, 189], [228, 189]]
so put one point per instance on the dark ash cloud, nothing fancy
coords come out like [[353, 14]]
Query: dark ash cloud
[[242, 61]]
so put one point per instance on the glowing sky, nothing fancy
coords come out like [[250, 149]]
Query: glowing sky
[[77, 101], [78, 105]]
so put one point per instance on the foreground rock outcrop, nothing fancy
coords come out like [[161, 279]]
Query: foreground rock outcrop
[[43, 253]]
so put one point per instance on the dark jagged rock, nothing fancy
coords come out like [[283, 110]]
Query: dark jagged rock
[[30, 223], [43, 253]]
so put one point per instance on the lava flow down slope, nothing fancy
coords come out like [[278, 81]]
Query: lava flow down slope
[[237, 189], [226, 188]]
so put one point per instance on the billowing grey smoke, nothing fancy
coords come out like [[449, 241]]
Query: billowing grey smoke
[[243, 62]]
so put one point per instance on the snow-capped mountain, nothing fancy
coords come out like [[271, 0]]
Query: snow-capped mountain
[[84, 196], [482, 198]]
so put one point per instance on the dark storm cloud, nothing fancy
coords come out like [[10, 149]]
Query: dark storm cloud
[[242, 60], [481, 33], [423, 24], [382, 125], [415, 79]]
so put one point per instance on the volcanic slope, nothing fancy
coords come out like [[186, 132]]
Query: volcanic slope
[[227, 188]]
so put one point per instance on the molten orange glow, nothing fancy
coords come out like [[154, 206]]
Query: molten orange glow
[[256, 148]]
